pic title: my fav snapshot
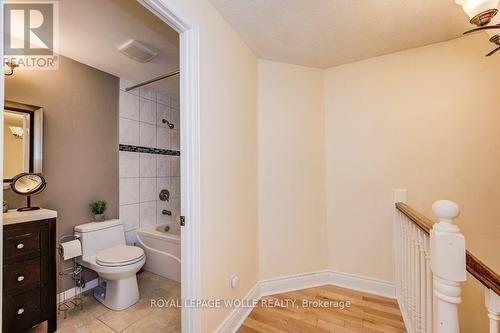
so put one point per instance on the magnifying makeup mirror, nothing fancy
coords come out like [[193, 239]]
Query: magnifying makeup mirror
[[28, 184]]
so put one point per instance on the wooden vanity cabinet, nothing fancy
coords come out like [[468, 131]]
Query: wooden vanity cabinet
[[29, 275]]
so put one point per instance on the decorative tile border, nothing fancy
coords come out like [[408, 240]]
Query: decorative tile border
[[138, 149]]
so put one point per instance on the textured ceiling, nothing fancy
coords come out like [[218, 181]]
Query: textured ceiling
[[325, 33], [92, 30]]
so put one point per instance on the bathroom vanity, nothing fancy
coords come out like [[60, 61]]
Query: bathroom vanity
[[29, 270]]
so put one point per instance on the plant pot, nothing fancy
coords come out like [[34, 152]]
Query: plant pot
[[99, 217]]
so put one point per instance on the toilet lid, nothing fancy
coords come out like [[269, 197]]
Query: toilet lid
[[119, 255]]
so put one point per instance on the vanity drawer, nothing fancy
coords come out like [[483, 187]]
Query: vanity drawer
[[22, 275], [21, 311], [19, 242]]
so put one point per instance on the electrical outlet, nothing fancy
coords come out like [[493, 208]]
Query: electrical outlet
[[233, 281]]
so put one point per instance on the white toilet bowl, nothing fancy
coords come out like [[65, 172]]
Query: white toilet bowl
[[104, 251], [118, 267]]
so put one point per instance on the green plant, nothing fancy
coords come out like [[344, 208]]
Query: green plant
[[98, 207]]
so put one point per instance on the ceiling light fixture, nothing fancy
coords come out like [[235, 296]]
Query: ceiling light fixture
[[16, 131], [481, 13]]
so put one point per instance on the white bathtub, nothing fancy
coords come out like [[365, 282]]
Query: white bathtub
[[163, 251]]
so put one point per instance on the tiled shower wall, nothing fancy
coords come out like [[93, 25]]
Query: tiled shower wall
[[144, 174]]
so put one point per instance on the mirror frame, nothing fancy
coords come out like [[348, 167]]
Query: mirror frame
[[24, 174], [36, 134]]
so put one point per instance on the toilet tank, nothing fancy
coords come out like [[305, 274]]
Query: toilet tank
[[96, 236]]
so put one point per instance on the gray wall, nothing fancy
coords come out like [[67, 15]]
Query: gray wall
[[80, 143]]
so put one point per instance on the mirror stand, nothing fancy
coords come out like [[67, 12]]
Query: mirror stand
[[28, 184], [28, 205]]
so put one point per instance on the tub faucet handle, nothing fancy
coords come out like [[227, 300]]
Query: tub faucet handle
[[164, 195], [166, 212]]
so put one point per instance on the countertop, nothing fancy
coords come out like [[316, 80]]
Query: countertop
[[13, 216]]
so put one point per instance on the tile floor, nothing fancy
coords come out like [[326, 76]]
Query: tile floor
[[141, 317]]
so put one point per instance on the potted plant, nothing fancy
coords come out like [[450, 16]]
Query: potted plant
[[98, 207]]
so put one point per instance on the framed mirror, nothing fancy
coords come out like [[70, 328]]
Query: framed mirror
[[23, 136]]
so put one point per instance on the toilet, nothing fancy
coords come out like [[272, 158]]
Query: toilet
[[105, 252]]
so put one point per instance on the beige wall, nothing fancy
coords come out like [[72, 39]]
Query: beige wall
[[229, 221], [426, 120], [292, 212], [80, 142]]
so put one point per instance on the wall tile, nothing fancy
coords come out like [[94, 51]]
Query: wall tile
[[131, 238], [163, 138], [129, 215], [147, 213], [143, 175], [147, 189], [147, 111], [160, 217], [129, 191], [175, 118], [147, 93], [175, 166], [163, 165], [129, 132], [175, 140], [128, 164], [147, 137], [125, 84], [163, 183], [175, 207], [175, 186], [162, 99], [174, 103], [163, 113], [147, 165], [129, 106]]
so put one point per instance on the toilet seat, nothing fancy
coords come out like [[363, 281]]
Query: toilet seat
[[120, 255]]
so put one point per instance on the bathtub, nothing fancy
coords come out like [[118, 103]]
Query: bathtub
[[163, 251]]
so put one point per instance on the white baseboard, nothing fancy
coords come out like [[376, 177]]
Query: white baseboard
[[238, 315], [294, 282], [363, 283], [65, 295], [302, 281]]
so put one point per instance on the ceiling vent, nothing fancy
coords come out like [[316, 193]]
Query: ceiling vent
[[137, 51]]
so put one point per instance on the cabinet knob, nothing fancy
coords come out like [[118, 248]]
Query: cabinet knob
[[20, 246], [20, 311], [20, 278]]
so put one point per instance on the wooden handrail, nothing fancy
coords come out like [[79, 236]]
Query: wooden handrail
[[420, 220], [488, 277]]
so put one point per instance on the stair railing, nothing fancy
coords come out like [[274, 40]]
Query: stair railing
[[431, 263]]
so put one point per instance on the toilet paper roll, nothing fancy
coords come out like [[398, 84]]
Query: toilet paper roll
[[71, 249]]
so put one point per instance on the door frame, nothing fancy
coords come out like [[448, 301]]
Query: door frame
[[2, 90], [190, 156]]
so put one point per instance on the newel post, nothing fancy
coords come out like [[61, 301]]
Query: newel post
[[448, 266]]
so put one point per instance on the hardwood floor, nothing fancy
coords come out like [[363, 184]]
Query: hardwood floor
[[320, 310]]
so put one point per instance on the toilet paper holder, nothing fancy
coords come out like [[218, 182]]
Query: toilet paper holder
[[70, 278]]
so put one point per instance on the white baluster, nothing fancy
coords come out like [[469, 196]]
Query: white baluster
[[409, 300], [448, 266], [428, 284], [405, 265], [492, 301], [413, 279], [421, 237]]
